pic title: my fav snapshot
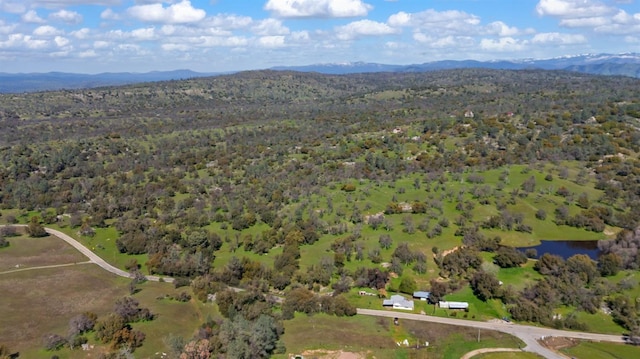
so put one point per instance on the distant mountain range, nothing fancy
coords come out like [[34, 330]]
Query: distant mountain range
[[31, 82], [598, 64]]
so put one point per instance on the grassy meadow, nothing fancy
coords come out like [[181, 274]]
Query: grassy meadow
[[43, 300], [594, 350], [378, 337]]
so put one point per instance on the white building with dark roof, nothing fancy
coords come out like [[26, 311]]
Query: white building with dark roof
[[398, 302]]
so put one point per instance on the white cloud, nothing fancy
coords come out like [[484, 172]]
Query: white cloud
[[191, 31], [220, 41], [175, 47], [400, 19], [9, 42], [6, 28], [622, 17], [101, 44], [317, 8], [144, 34], [34, 44], [573, 8], [226, 21], [87, 54], [50, 4], [501, 29], [271, 41], [70, 17], [443, 42], [556, 38], [441, 23], [364, 28], [12, 7], [32, 17], [591, 22], [61, 41], [300, 36], [432, 17], [621, 23], [393, 45], [632, 39], [270, 27], [178, 13], [81, 34], [503, 44], [592, 15], [46, 30], [130, 49], [23, 41], [109, 14], [63, 53]]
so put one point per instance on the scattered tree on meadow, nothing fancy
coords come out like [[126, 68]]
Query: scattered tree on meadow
[[35, 228], [509, 257], [485, 285]]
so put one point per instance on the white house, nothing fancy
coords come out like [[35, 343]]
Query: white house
[[398, 302]]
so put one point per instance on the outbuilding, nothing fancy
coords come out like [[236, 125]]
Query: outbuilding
[[421, 295], [453, 305]]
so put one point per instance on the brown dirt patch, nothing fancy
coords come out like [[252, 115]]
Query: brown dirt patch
[[330, 354], [557, 343], [449, 251]]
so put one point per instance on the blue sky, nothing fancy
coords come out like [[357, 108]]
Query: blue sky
[[93, 36]]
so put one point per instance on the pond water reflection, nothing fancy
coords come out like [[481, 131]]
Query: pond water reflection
[[566, 249]]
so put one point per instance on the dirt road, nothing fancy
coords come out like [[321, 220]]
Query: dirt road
[[95, 258]]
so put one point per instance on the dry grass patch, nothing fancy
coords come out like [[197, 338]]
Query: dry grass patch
[[26, 252], [42, 301], [353, 334]]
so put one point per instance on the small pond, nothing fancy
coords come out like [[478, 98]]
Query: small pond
[[566, 249]]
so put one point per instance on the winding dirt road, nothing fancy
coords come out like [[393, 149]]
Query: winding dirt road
[[95, 258], [528, 334]]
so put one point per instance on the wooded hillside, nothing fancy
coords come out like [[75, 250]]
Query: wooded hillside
[[286, 180]]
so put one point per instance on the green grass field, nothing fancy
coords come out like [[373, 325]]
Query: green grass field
[[593, 350], [377, 337]]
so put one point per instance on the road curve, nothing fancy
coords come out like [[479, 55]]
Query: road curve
[[528, 334], [94, 257]]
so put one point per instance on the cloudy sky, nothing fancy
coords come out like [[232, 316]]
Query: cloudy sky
[[92, 36]]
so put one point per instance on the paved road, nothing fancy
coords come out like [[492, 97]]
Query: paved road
[[95, 258], [528, 334]]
